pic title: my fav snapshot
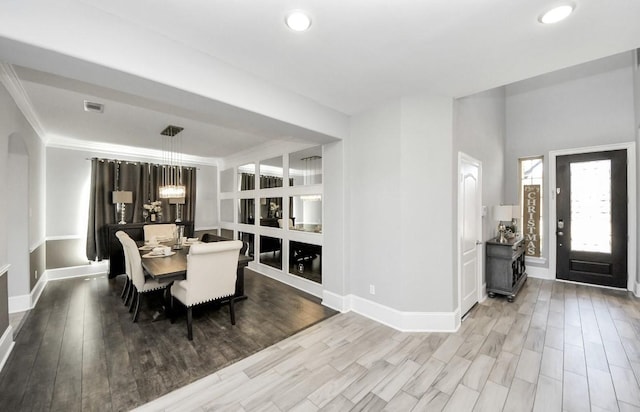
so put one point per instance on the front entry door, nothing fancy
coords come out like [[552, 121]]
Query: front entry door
[[470, 204], [591, 207]]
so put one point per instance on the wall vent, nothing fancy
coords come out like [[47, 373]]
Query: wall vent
[[93, 107]]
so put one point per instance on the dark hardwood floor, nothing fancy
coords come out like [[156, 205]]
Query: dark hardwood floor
[[78, 349]]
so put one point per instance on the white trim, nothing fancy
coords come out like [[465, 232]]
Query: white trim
[[406, 321], [19, 303], [632, 233], [463, 157], [402, 321], [22, 303], [11, 81], [65, 237], [336, 302], [4, 269], [533, 260], [540, 272], [636, 290], [95, 268], [6, 346]]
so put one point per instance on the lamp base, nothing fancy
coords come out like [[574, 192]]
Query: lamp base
[[122, 208]]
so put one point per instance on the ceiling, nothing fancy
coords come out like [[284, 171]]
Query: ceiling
[[154, 64]]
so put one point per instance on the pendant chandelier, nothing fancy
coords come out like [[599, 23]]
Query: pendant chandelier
[[171, 181], [312, 175]]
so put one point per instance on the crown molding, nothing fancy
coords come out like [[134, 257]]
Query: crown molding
[[9, 78], [134, 153]]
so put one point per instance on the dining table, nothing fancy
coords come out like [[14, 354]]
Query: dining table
[[172, 267]]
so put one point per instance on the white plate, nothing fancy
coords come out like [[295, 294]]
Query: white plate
[[151, 255]]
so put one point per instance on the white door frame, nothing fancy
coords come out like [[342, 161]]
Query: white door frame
[[630, 147], [463, 157]]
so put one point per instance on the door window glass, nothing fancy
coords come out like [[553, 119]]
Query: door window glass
[[591, 206]]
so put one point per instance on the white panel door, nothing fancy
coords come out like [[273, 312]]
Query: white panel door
[[470, 204]]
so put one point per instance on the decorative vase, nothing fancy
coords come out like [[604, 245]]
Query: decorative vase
[[153, 217]]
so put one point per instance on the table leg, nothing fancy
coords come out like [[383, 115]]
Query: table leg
[[164, 312]]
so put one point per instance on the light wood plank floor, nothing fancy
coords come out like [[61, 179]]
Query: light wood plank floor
[[558, 347]]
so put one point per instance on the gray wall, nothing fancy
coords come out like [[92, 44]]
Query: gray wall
[[587, 105], [4, 302], [479, 132], [399, 216], [37, 264]]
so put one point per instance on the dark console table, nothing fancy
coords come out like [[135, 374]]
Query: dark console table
[[505, 268], [136, 232]]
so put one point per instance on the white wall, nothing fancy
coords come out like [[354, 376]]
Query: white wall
[[587, 105], [399, 159], [479, 131]]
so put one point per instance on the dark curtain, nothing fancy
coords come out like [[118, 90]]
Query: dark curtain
[[247, 181], [143, 180], [267, 182], [101, 209]]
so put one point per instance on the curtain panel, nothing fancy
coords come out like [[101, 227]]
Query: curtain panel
[[143, 180]]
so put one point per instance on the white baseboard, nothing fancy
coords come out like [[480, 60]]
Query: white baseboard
[[636, 290], [402, 321], [22, 303], [26, 302], [539, 272], [336, 302], [94, 268], [6, 346]]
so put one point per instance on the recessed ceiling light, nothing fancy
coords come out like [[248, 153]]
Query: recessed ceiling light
[[298, 20], [556, 14]]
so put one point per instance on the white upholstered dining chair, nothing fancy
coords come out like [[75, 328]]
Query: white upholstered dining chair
[[211, 276], [140, 284], [128, 285], [160, 231]]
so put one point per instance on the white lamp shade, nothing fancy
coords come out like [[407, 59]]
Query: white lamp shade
[[502, 213], [515, 213], [122, 196], [177, 200]]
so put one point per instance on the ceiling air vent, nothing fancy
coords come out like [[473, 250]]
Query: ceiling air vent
[[93, 107], [171, 130]]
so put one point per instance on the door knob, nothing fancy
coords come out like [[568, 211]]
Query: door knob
[[478, 242]]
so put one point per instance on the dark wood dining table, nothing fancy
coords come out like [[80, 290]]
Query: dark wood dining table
[[171, 268]]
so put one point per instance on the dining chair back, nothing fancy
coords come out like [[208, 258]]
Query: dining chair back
[[133, 262], [211, 276], [160, 231], [128, 285]]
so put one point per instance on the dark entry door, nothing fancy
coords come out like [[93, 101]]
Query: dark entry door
[[591, 206]]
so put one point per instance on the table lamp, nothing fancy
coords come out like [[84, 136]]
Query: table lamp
[[121, 198], [178, 201], [502, 214]]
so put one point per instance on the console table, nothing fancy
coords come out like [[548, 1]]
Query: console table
[[136, 232], [505, 268]]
